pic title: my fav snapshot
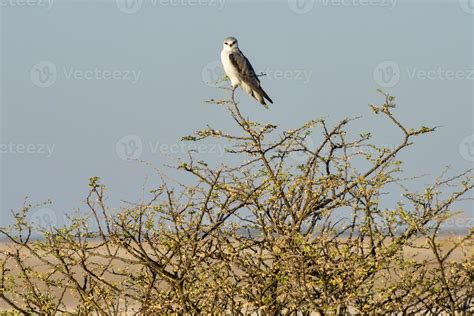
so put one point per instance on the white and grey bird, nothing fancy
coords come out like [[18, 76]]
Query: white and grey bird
[[240, 72]]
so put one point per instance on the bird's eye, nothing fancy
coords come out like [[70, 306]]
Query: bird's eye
[[232, 43], [226, 43]]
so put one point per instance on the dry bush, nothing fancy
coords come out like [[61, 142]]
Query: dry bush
[[265, 235]]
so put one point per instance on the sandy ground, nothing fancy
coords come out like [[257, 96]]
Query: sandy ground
[[419, 252]]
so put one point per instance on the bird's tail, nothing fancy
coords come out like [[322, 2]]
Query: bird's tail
[[265, 95], [261, 95]]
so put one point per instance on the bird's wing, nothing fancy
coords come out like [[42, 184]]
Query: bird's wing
[[245, 69]]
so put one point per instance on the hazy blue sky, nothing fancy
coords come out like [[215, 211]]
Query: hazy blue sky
[[81, 78]]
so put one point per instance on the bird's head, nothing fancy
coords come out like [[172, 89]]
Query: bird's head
[[230, 43]]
